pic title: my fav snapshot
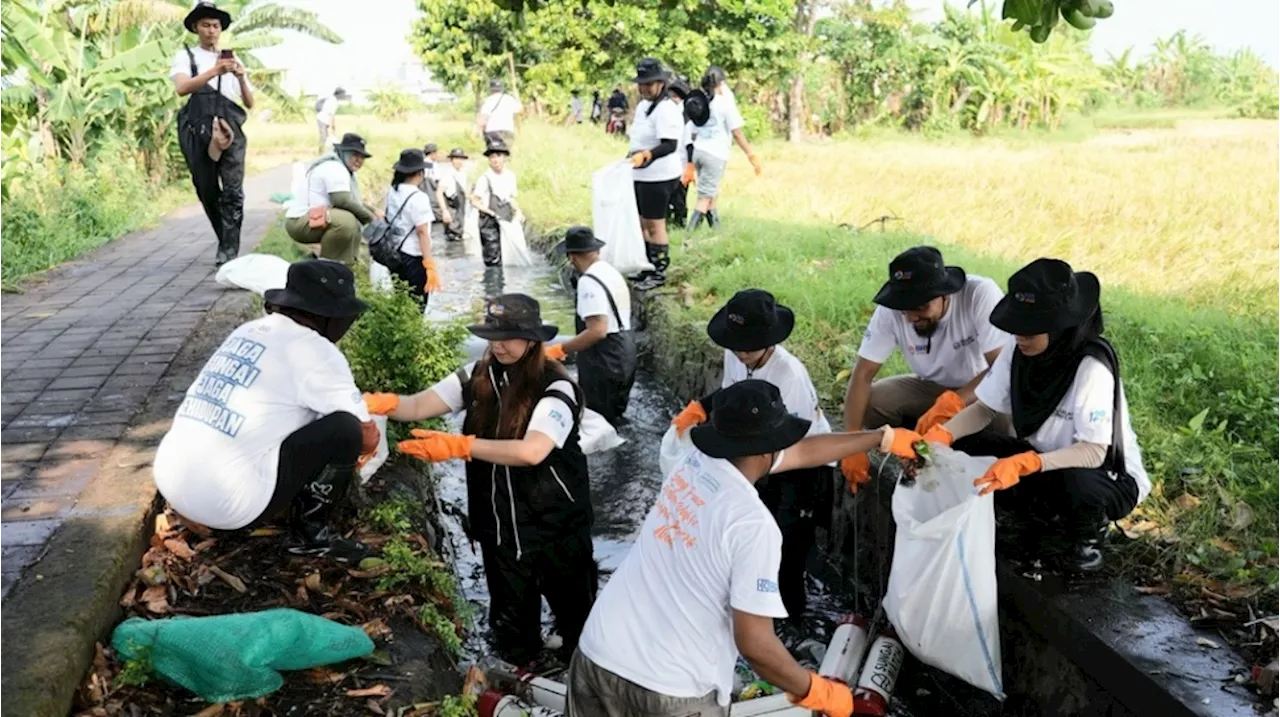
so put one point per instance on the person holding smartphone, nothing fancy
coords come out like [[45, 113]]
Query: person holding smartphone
[[210, 124]]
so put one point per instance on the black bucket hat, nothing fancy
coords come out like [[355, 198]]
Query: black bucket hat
[[497, 146], [411, 161], [205, 9], [578, 240], [352, 142], [340, 94], [697, 107], [319, 286], [752, 320], [513, 316], [458, 153], [1045, 297], [748, 419], [916, 277], [430, 149], [649, 69], [495, 85]]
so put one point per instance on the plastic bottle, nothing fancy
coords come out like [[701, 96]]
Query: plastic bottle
[[879, 674], [844, 652]]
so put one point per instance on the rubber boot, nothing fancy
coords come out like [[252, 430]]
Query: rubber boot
[[309, 518], [1085, 555], [694, 220], [661, 259], [713, 219], [650, 254]]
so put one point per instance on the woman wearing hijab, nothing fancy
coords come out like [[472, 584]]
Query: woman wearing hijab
[[1059, 381], [327, 209], [527, 491], [409, 212]]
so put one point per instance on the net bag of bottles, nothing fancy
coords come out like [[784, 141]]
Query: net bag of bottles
[[941, 596]]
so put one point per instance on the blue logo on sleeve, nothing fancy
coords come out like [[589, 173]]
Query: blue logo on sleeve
[[1097, 415], [766, 586]]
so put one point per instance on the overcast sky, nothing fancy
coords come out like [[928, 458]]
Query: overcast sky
[[375, 44]]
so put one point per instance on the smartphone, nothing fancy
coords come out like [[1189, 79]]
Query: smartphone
[[226, 55]]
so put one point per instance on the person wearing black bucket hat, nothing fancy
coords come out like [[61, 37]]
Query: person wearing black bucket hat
[[722, 125], [496, 118], [210, 124], [453, 184], [605, 345], [1059, 381], [939, 317], [274, 420], [703, 572], [432, 184], [410, 214], [751, 328], [326, 208], [526, 474], [494, 197], [655, 132]]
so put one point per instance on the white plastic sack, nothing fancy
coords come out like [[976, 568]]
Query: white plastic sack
[[615, 219], [471, 231], [597, 435], [515, 252], [673, 450], [380, 277], [941, 596], [380, 456], [255, 272]]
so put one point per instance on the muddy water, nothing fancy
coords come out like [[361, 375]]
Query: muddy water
[[624, 480]]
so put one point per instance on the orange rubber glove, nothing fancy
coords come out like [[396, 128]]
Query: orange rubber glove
[[689, 174], [641, 158], [433, 274], [369, 436], [939, 434], [436, 446], [692, 415], [554, 351], [857, 471], [943, 410], [381, 404], [901, 442], [755, 164], [830, 697], [1006, 472]]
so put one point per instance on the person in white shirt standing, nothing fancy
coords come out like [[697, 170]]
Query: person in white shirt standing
[[274, 420], [940, 318], [496, 120], [605, 345], [700, 584], [751, 328], [210, 125], [326, 117], [655, 131], [495, 198], [453, 184], [433, 181], [711, 147], [408, 209]]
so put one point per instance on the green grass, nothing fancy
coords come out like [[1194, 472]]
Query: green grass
[[277, 242]]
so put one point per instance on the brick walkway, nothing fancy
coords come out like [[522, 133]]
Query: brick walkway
[[81, 351]]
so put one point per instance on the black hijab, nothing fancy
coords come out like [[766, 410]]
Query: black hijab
[[1040, 382]]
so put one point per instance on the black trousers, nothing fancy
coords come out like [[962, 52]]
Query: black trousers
[[564, 572], [490, 241], [678, 210], [334, 439], [1082, 498], [606, 373], [797, 500], [220, 188], [415, 275]]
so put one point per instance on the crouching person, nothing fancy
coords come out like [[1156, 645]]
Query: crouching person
[[527, 492], [700, 584], [274, 420], [327, 209]]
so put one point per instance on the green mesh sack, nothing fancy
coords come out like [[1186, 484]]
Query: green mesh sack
[[235, 657]]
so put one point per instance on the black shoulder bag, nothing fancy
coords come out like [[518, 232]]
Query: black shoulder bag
[[385, 239]]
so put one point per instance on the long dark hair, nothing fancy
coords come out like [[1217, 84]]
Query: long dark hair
[[714, 78], [524, 386], [398, 178]]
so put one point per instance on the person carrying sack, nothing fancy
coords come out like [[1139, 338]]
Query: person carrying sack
[[328, 210], [700, 584], [751, 328], [495, 198], [1059, 381], [527, 482], [409, 209], [605, 344], [210, 125]]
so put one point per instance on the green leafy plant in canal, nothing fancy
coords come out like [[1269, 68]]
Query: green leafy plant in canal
[[442, 627], [457, 706], [134, 673]]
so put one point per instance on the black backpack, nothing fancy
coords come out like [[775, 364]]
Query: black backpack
[[319, 105]]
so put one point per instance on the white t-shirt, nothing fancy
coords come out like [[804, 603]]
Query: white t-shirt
[[328, 110], [707, 547], [549, 416], [217, 464], [502, 186], [1083, 416], [593, 302], [647, 130], [792, 379], [501, 109], [452, 179], [416, 213], [326, 177], [716, 136], [204, 60], [955, 352]]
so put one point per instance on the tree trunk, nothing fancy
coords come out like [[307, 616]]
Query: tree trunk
[[806, 18]]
